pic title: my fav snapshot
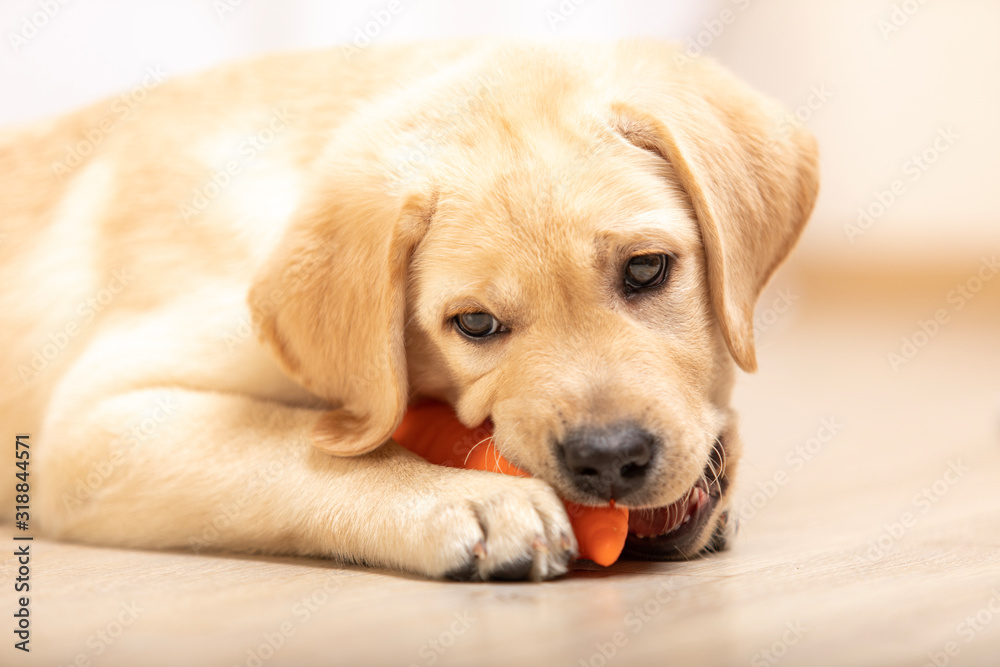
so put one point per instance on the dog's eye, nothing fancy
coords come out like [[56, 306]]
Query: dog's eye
[[478, 325], [645, 271]]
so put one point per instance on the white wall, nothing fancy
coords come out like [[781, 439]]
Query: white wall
[[880, 95], [894, 91], [91, 48]]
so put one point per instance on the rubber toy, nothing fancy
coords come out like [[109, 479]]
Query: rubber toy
[[431, 430]]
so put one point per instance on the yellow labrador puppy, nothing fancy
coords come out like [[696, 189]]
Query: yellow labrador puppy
[[220, 294]]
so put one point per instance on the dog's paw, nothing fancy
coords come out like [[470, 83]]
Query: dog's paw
[[498, 528]]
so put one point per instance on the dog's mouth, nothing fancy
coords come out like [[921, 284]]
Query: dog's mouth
[[673, 532]]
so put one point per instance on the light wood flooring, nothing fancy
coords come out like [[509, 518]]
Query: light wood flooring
[[870, 499]]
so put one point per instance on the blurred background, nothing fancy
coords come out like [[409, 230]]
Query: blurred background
[[903, 93], [877, 341], [893, 288]]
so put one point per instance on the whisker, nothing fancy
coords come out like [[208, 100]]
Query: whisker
[[496, 458], [722, 459], [496, 448], [473, 448], [718, 468], [714, 469]]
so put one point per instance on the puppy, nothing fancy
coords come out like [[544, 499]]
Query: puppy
[[221, 296]]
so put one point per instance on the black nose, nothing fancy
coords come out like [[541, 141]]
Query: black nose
[[609, 462]]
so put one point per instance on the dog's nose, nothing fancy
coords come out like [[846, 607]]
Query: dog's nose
[[609, 462]]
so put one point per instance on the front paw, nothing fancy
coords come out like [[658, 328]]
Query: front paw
[[494, 527]]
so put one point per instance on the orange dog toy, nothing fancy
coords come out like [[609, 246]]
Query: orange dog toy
[[432, 431]]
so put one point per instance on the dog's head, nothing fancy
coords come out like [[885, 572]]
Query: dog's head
[[575, 254]]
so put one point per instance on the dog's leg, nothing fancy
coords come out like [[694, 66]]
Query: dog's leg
[[165, 468]]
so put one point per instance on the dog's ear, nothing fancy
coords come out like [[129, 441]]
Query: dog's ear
[[749, 169], [330, 302]]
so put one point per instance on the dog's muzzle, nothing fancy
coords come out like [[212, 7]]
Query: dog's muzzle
[[673, 532], [608, 463]]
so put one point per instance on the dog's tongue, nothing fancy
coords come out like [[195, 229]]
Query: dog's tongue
[[662, 520]]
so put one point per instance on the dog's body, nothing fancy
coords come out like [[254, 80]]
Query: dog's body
[[215, 320]]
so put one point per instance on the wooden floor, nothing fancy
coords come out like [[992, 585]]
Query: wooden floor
[[870, 499]]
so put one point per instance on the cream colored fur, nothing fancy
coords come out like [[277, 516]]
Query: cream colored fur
[[221, 366]]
